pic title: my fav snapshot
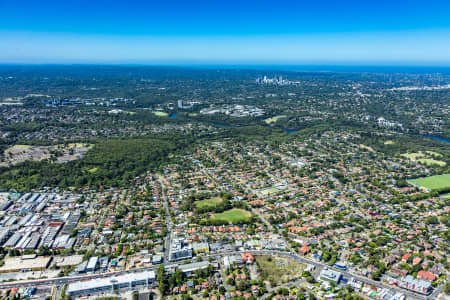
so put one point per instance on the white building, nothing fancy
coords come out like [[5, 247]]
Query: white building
[[117, 282], [92, 264], [330, 275]]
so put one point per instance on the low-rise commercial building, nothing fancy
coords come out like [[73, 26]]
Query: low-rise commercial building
[[111, 283], [192, 267], [330, 275], [26, 263], [200, 247], [66, 261], [410, 283], [92, 264]]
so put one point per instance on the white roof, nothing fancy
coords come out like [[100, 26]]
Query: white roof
[[92, 263], [330, 274], [106, 282], [194, 266]]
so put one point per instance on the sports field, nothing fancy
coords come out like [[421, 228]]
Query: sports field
[[211, 202], [273, 119], [270, 191], [233, 216], [160, 114], [433, 182]]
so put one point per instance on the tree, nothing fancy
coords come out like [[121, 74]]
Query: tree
[[185, 297], [163, 287], [160, 273], [178, 276], [447, 288], [432, 220], [230, 281], [135, 296], [401, 183], [74, 232], [376, 275]]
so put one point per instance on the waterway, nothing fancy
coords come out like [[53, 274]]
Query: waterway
[[437, 138], [223, 125], [289, 131]]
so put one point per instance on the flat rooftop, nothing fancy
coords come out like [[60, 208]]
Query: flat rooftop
[[64, 261], [13, 264], [102, 283]]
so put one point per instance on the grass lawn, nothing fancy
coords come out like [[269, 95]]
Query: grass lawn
[[270, 191], [433, 182], [424, 158], [273, 119], [79, 145], [278, 269], [446, 196], [233, 215], [211, 202], [160, 114], [434, 153], [93, 170], [412, 156], [21, 146], [366, 147], [430, 161]]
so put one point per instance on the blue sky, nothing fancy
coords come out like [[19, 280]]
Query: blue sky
[[227, 31]]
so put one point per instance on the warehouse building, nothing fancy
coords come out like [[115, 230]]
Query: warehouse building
[[50, 233], [67, 261], [13, 240], [4, 235], [26, 263]]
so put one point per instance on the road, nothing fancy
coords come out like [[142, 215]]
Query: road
[[70, 279], [169, 222]]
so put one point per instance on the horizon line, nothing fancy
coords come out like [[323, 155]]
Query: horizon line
[[193, 63]]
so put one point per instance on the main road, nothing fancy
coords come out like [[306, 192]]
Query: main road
[[169, 223], [299, 258]]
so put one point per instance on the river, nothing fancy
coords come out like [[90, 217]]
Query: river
[[437, 138]]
